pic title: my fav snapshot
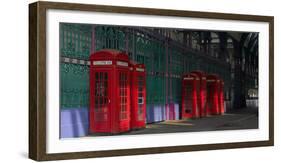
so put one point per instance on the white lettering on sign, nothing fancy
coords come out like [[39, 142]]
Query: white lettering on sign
[[102, 63], [188, 78], [120, 63], [204, 78], [211, 80], [140, 69], [67, 60], [74, 60], [82, 62]]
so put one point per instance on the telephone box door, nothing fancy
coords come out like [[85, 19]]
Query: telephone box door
[[141, 99], [138, 110], [202, 93], [213, 95], [124, 99], [221, 97], [101, 108], [189, 97]]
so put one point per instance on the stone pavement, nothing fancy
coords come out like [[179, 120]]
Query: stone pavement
[[246, 118]]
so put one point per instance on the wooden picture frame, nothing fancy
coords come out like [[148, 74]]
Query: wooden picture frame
[[38, 78]]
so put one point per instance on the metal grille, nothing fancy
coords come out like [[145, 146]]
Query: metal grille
[[74, 85], [75, 42], [164, 60]]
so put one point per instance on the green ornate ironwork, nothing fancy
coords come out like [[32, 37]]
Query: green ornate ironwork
[[74, 79], [76, 42]]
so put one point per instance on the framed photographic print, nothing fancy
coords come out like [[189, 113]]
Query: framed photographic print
[[112, 81]]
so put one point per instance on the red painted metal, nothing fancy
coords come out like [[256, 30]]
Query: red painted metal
[[109, 92], [138, 96], [203, 93], [221, 97], [190, 91], [213, 84], [170, 112]]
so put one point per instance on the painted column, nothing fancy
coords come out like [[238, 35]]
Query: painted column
[[167, 71], [127, 40], [93, 43], [134, 45]]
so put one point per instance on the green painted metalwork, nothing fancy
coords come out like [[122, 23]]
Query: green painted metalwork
[[109, 37], [150, 52], [176, 70], [74, 85], [76, 41]]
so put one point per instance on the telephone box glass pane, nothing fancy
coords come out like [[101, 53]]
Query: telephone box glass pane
[[140, 100]]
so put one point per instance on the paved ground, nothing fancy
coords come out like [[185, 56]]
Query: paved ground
[[240, 119]]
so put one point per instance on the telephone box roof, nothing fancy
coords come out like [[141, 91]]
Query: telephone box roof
[[135, 64], [213, 76], [109, 54]]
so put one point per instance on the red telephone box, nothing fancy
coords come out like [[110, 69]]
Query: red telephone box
[[221, 97], [202, 93], [190, 90], [138, 96], [109, 92], [213, 83]]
